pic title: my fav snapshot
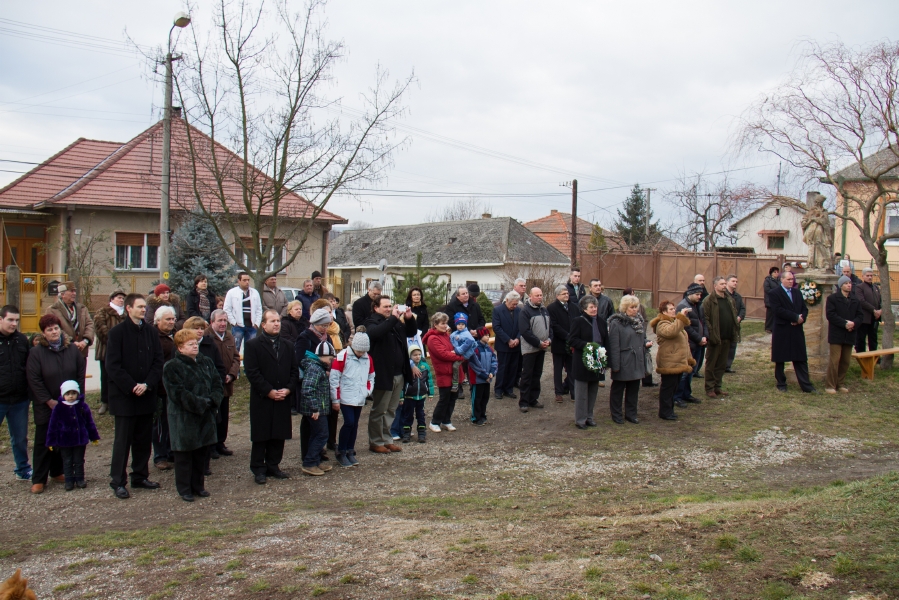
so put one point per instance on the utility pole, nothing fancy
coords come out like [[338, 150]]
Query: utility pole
[[181, 20], [779, 166], [574, 223], [646, 217]]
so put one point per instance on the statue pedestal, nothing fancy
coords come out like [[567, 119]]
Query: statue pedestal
[[816, 325]]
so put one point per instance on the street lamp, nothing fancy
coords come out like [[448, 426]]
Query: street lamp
[[181, 20]]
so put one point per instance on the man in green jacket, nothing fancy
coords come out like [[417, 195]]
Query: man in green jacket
[[721, 320]]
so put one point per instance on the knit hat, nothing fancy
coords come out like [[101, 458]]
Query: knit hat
[[325, 349], [474, 289], [413, 348], [322, 316], [361, 343], [315, 274], [694, 288], [69, 386], [482, 332], [161, 289], [460, 317], [117, 292], [843, 280]]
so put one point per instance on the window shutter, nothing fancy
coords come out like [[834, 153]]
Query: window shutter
[[131, 239], [153, 239]]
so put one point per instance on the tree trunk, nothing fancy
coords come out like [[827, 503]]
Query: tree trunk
[[889, 321]]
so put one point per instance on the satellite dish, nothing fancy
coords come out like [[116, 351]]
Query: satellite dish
[[382, 265]]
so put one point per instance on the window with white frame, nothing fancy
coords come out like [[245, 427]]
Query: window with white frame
[[136, 251], [891, 224], [277, 251]]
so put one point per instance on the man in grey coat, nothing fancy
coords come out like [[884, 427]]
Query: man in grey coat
[[731, 290], [536, 336], [273, 297]]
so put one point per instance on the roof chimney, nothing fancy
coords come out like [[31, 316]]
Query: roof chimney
[[486, 216], [176, 112], [553, 211]]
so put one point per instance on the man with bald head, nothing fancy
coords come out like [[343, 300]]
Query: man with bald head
[[536, 336]]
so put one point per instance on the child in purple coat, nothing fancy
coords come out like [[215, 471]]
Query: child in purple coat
[[71, 428]]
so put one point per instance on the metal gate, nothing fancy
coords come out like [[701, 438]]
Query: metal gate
[[35, 298]]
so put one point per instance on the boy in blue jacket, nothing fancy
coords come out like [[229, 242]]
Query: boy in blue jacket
[[464, 344], [482, 370], [315, 405], [415, 393]]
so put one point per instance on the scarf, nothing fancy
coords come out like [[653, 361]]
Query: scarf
[[274, 339], [597, 335], [119, 309], [322, 337], [57, 345], [73, 314], [635, 322], [204, 303]]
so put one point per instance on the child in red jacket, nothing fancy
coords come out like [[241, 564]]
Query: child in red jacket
[[440, 349]]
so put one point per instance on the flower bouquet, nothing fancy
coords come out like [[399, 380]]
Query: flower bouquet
[[595, 358], [810, 292]]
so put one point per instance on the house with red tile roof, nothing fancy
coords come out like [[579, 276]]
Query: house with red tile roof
[[94, 186]]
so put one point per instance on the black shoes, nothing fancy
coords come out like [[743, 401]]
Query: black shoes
[[279, 474], [633, 420], [122, 493], [407, 437], [680, 404], [537, 405], [207, 472], [81, 484], [729, 371], [579, 426], [259, 478], [213, 454], [618, 420], [671, 417], [224, 451], [145, 484], [693, 400], [699, 376], [510, 395], [591, 423], [70, 485], [203, 494], [498, 396], [187, 497], [523, 409]]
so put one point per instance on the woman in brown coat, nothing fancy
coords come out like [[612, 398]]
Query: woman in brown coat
[[673, 357]]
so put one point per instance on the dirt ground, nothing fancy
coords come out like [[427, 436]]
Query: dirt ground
[[526, 507]]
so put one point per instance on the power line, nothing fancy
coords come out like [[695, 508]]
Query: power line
[[20, 100]]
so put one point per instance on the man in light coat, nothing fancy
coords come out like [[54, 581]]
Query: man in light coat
[[244, 309], [536, 336], [75, 320], [273, 297]]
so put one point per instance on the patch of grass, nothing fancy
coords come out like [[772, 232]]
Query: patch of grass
[[644, 588], [195, 576], [348, 579], [321, 573], [592, 573], [444, 513], [233, 564], [748, 554], [470, 579], [244, 551], [550, 556], [707, 522], [300, 568], [357, 504], [84, 563], [63, 587], [260, 586], [844, 564], [291, 589], [319, 591], [238, 575], [172, 584], [671, 566], [4, 553], [799, 569], [620, 548], [465, 540], [412, 537], [726, 542], [204, 554], [711, 565], [776, 590]]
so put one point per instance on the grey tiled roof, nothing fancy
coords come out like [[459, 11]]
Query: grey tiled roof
[[493, 241], [882, 163]]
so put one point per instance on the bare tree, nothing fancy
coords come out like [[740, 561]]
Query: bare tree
[[255, 84], [707, 208], [545, 277], [89, 255], [837, 117], [356, 225], [460, 210]]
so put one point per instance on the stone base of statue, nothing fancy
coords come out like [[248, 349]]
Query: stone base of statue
[[816, 325]]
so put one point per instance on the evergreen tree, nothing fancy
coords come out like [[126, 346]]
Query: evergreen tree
[[486, 307], [196, 249], [433, 290], [597, 240], [632, 222]]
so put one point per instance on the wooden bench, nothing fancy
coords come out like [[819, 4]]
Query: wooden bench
[[868, 360]]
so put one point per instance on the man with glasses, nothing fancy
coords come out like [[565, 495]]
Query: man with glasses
[[788, 337]]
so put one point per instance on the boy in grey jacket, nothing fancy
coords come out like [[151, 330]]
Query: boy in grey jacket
[[536, 336]]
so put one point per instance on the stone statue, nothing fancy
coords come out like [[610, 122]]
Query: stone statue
[[816, 232]]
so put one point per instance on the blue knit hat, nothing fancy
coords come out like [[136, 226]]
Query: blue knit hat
[[460, 317]]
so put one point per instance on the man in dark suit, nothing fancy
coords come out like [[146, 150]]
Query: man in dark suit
[[507, 345], [788, 337], [362, 307], [561, 314], [272, 370]]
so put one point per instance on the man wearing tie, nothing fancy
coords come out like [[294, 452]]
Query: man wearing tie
[[788, 337]]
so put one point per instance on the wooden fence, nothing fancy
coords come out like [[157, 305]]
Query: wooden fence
[[666, 275]]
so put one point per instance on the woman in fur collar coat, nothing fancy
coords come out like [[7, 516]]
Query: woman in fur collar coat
[[673, 358]]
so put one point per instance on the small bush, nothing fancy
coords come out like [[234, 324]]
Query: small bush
[[592, 573], [620, 548], [749, 554], [470, 579], [726, 542], [844, 565], [777, 590], [347, 579], [260, 586], [319, 590], [710, 565]]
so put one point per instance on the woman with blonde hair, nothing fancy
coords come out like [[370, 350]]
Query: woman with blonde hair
[[673, 358], [627, 343]]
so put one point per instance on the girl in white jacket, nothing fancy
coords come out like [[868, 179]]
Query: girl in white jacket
[[352, 381]]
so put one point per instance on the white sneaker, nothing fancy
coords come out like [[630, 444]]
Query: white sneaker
[[434, 428], [396, 437], [448, 427]]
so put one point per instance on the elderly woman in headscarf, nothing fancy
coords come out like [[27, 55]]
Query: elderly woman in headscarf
[[586, 330], [627, 344]]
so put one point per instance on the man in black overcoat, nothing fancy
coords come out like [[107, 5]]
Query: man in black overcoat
[[272, 370], [134, 366], [788, 337], [561, 314]]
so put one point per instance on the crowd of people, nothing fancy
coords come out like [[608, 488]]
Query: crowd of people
[[167, 372]]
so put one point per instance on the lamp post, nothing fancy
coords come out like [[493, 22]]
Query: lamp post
[[181, 20]]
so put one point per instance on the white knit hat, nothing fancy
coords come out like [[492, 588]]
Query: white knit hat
[[69, 386], [361, 343]]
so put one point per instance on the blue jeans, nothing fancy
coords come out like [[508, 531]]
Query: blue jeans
[[685, 387], [347, 437], [396, 428], [242, 333], [16, 416], [318, 437]]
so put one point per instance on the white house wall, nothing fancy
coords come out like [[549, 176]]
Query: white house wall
[[790, 219]]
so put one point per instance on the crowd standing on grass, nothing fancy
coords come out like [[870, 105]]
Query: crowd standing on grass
[[167, 376]]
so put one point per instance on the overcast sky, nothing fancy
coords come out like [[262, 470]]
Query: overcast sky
[[612, 94]]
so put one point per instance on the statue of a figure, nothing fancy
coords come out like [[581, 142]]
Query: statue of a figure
[[816, 233]]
